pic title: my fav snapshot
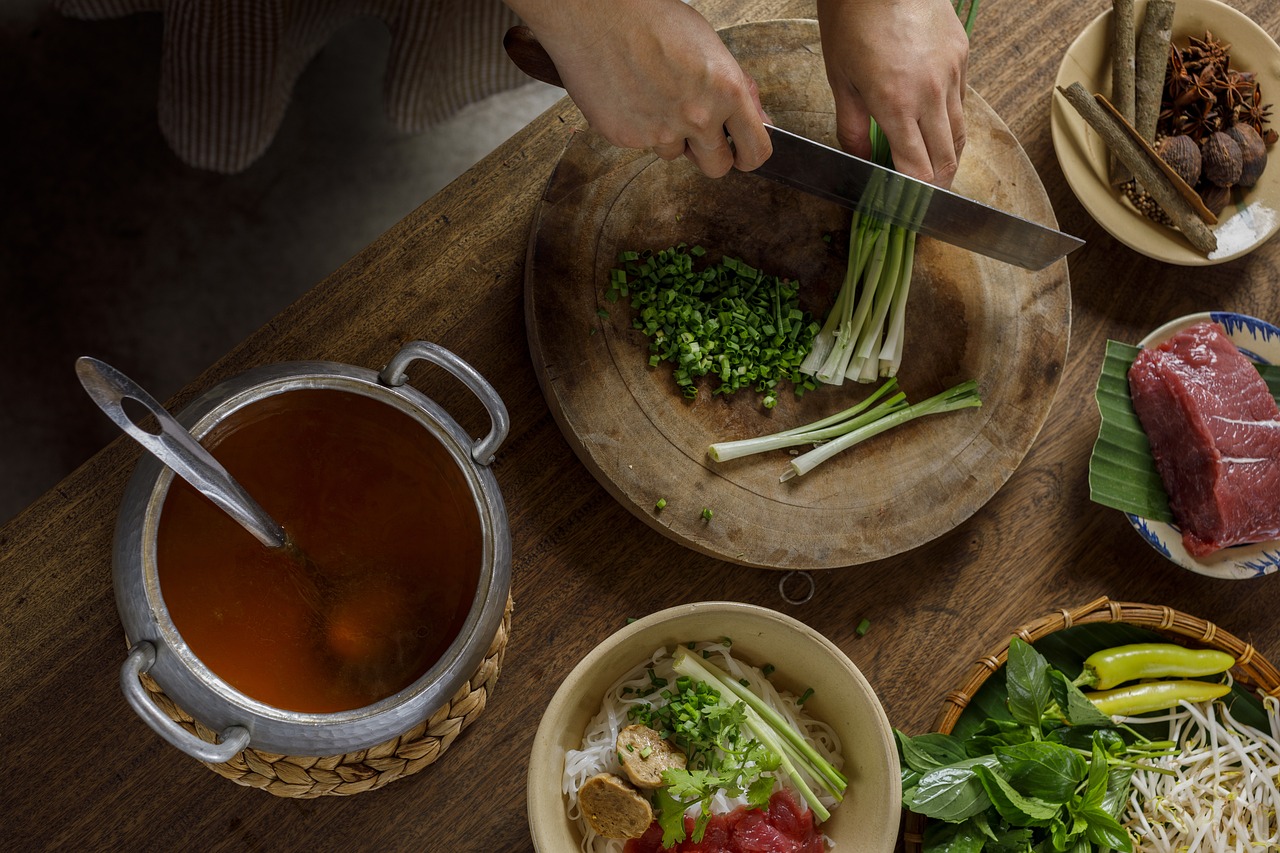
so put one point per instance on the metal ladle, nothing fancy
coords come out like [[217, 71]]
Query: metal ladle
[[177, 449]]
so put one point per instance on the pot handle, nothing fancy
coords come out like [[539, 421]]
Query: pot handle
[[483, 450], [141, 658]]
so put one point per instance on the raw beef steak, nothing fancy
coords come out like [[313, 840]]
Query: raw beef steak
[[1215, 434]]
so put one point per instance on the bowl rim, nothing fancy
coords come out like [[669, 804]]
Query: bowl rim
[[1238, 562], [1079, 168], [546, 756]]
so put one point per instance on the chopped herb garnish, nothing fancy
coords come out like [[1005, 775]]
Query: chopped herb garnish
[[706, 513], [805, 696], [729, 321], [646, 752], [661, 504], [863, 627], [768, 670]]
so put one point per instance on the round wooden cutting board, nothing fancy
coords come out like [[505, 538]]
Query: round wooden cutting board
[[968, 317]]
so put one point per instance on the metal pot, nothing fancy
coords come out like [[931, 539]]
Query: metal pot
[[157, 648]]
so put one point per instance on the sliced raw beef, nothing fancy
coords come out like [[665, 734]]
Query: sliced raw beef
[[1215, 434]]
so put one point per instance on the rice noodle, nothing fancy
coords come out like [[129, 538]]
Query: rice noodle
[[598, 753], [1224, 794]]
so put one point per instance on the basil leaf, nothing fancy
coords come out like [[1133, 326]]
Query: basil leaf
[[929, 751], [1028, 683], [1043, 770], [910, 779], [1105, 831], [1079, 710], [1059, 834], [952, 793], [1081, 846], [1096, 788], [1019, 810], [952, 838], [993, 733], [1119, 781], [1011, 841]]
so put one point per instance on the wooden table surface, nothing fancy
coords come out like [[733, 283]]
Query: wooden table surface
[[85, 773]]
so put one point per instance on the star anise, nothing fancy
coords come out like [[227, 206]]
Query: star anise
[[1256, 113], [1177, 79], [1199, 121], [1206, 52], [1203, 88]]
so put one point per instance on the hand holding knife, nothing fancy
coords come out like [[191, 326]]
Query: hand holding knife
[[864, 186]]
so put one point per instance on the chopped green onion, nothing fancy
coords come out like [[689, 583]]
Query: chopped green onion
[[728, 321], [863, 627], [804, 697]]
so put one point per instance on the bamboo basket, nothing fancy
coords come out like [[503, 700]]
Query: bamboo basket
[[1251, 670], [308, 777]]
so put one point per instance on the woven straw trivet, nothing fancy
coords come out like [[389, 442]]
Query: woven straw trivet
[[306, 777], [1251, 670]]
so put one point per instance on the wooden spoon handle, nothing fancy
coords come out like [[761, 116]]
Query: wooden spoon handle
[[530, 56]]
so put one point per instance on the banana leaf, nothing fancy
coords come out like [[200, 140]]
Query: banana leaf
[[1066, 651], [1122, 474]]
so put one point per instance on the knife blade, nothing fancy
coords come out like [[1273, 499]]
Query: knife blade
[[868, 188], [893, 197]]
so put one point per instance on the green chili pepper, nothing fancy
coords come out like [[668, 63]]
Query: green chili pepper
[[1154, 696], [1112, 667]]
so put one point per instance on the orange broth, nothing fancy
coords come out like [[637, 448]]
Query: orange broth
[[385, 515]]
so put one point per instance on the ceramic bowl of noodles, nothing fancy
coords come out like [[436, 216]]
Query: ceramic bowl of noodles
[[586, 760]]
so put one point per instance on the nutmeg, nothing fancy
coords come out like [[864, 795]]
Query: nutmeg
[[1215, 197], [1183, 156], [1253, 153], [1221, 159]]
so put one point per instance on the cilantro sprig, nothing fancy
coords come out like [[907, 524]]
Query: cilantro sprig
[[720, 753]]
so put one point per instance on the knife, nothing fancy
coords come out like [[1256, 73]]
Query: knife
[[868, 188]]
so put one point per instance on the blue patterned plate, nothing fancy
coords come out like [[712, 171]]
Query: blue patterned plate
[[1259, 341]]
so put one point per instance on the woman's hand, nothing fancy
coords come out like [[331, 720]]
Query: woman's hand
[[653, 74], [902, 62]]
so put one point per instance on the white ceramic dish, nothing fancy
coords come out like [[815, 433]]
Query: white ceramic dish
[[867, 821], [1083, 157], [1260, 341]]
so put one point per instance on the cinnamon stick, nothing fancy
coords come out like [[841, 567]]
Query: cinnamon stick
[[1122, 74], [1184, 189], [1142, 162], [1152, 60]]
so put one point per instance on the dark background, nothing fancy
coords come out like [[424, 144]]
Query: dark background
[[112, 247]]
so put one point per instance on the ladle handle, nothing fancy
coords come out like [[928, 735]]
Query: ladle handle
[[175, 447]]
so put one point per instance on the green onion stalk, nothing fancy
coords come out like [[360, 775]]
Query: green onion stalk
[[863, 334], [854, 425]]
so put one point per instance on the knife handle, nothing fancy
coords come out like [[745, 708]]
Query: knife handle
[[530, 56]]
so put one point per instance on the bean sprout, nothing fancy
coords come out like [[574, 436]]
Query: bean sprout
[[1222, 794]]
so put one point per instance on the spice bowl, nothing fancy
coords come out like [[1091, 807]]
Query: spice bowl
[[1259, 341], [1076, 633], [1249, 218], [867, 820]]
